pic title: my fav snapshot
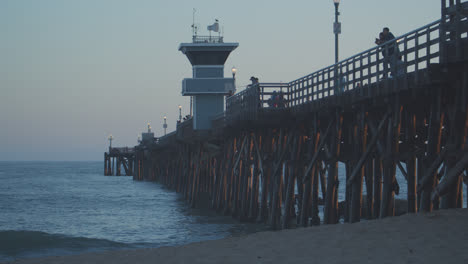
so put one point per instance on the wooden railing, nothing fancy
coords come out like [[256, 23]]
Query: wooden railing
[[368, 70], [207, 39], [415, 51], [243, 105], [123, 150]]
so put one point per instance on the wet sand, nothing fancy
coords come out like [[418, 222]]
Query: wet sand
[[438, 237]]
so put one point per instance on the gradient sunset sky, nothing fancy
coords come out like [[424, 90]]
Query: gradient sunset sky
[[72, 72]]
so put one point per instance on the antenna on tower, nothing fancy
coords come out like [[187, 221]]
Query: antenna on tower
[[194, 27]]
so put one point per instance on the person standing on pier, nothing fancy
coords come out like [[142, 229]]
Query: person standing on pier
[[389, 51], [254, 80]]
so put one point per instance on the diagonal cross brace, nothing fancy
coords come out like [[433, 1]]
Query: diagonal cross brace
[[316, 154], [369, 149]]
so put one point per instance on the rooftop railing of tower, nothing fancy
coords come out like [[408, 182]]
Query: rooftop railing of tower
[[364, 72], [207, 39]]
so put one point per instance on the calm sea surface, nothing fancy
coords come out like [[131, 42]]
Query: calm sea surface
[[59, 208]]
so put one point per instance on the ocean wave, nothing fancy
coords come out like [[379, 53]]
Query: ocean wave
[[21, 244]]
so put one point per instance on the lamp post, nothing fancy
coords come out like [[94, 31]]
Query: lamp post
[[336, 31], [336, 28], [234, 71], [110, 141], [165, 125], [180, 113]]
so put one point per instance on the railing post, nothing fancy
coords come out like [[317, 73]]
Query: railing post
[[405, 52], [377, 66], [369, 72], [428, 47], [416, 57], [442, 33]]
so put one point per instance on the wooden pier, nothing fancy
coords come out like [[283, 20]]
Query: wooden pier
[[117, 158], [275, 162]]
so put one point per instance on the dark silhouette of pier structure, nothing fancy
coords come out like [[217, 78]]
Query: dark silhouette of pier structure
[[116, 158], [277, 163]]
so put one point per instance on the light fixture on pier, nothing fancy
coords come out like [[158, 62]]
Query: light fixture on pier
[[234, 71], [149, 128], [139, 139], [336, 28], [336, 31], [165, 125], [180, 113], [110, 140]]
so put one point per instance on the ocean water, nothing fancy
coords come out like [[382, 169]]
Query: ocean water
[[61, 208]]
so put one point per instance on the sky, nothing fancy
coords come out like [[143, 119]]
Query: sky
[[72, 72]]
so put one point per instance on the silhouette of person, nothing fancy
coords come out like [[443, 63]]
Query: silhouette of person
[[389, 50], [280, 99], [254, 80], [273, 102]]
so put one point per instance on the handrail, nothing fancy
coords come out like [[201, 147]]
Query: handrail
[[373, 48], [207, 39], [364, 68], [406, 58]]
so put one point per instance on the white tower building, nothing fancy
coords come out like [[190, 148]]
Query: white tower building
[[207, 54]]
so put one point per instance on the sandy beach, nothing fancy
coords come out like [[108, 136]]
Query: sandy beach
[[437, 237]]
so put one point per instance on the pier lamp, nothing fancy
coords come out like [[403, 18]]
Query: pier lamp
[[149, 128], [234, 71], [180, 113], [336, 28], [139, 139], [110, 140], [336, 31], [165, 125]]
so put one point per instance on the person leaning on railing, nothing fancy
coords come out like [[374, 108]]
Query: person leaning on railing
[[390, 51], [281, 101]]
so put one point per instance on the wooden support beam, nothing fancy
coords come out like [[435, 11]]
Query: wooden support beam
[[323, 179], [254, 191], [276, 177], [124, 163], [411, 164], [307, 200], [267, 147], [451, 177], [245, 180], [434, 133], [234, 190], [291, 180], [359, 142], [402, 170], [323, 140], [369, 149], [236, 163], [369, 176], [314, 200], [105, 163], [348, 192], [259, 157], [389, 182], [429, 173], [331, 199], [228, 186]]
